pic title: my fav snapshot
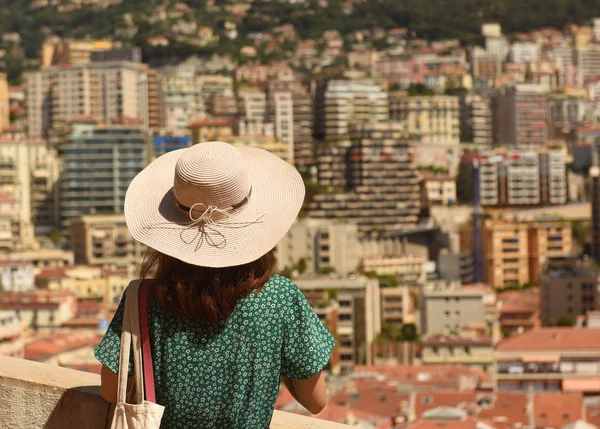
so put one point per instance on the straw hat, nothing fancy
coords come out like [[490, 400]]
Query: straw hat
[[214, 205]]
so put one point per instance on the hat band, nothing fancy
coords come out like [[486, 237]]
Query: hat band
[[233, 207]]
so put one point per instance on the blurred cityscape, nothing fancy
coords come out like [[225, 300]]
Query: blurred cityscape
[[450, 237]]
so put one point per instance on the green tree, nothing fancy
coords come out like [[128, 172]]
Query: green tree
[[565, 321], [409, 332], [419, 89], [326, 270], [56, 236], [301, 266]]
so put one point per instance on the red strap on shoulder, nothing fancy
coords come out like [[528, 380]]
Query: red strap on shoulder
[[146, 350]]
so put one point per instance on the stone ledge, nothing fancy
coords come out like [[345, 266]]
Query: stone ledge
[[36, 396]]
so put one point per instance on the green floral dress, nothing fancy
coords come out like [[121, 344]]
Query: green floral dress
[[228, 376]]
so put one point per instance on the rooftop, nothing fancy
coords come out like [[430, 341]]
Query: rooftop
[[553, 339]]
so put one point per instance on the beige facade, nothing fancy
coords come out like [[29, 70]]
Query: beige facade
[[41, 310], [438, 191], [43, 258], [4, 103], [88, 282], [514, 251], [396, 306], [569, 288], [428, 120], [104, 240], [321, 243], [30, 170], [448, 308], [353, 102], [359, 319], [443, 350], [76, 51], [410, 270], [109, 91], [11, 334]]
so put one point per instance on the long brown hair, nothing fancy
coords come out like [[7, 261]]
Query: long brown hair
[[205, 294]]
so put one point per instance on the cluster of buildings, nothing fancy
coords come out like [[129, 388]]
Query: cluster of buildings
[[445, 186]]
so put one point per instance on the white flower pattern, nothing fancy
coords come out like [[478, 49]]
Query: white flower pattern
[[228, 376]]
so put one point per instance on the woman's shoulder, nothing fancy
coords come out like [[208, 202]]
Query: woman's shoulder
[[281, 286]]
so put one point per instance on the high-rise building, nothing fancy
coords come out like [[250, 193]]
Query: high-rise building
[[302, 119], [525, 52], [515, 251], [476, 119], [104, 240], [109, 91], [323, 244], [4, 103], [371, 180], [359, 314], [428, 120], [587, 60], [569, 288], [520, 116], [98, 164], [165, 140], [353, 102], [156, 106], [133, 55], [186, 94], [595, 203], [522, 178], [29, 172]]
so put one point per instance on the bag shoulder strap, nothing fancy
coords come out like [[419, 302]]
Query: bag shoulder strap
[[146, 349], [130, 335]]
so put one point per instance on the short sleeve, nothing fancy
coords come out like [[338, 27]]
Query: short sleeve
[[307, 343], [109, 349]]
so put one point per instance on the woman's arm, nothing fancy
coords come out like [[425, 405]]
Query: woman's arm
[[110, 383], [310, 393]]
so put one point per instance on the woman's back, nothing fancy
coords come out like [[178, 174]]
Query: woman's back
[[227, 376]]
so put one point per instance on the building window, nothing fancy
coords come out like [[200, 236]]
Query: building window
[[467, 350]]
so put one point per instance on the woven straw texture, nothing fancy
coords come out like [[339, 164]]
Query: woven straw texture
[[214, 174]]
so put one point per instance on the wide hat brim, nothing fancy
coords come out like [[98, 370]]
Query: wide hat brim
[[250, 232]]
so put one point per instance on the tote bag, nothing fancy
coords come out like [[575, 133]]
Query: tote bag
[[144, 413]]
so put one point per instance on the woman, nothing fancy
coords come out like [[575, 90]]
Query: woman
[[223, 327]]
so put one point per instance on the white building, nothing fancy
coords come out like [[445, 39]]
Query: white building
[[525, 52], [353, 102], [108, 91]]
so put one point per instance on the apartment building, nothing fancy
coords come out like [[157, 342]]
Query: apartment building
[[514, 251], [323, 244], [90, 283], [156, 105], [40, 310], [476, 119], [301, 118], [29, 172], [409, 270], [525, 52], [476, 352], [257, 74], [520, 116], [167, 140], [427, 120], [437, 190], [519, 311], [107, 91], [549, 360], [587, 59], [253, 117], [16, 276], [569, 289], [359, 315], [522, 178], [104, 240], [396, 306], [595, 203], [371, 180], [12, 342], [56, 51], [4, 103], [355, 102], [447, 308], [98, 163], [42, 258]]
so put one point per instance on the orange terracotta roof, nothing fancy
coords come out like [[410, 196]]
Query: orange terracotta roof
[[58, 343], [509, 406], [425, 401], [468, 423], [215, 122], [557, 409], [553, 339]]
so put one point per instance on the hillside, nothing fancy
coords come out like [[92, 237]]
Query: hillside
[[134, 21]]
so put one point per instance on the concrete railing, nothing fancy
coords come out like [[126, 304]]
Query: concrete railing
[[36, 396]]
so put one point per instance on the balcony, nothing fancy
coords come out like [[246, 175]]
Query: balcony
[[36, 395]]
